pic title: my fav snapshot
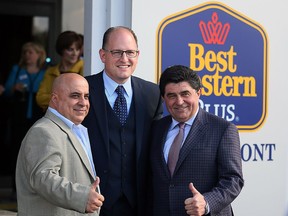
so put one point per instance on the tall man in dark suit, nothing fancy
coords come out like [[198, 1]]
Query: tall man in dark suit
[[119, 145], [207, 172]]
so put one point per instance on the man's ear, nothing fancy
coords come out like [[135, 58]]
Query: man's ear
[[102, 55], [199, 92], [54, 98]]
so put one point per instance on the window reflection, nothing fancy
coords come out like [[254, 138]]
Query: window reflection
[[40, 27]]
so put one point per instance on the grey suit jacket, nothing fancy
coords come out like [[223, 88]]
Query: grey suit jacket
[[53, 174], [209, 158]]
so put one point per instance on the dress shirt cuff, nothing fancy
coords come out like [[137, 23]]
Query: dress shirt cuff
[[207, 209]]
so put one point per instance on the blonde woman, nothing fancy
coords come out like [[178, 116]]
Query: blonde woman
[[20, 89], [24, 79]]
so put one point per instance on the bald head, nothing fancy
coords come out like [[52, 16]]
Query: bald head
[[63, 81], [111, 30], [70, 97]]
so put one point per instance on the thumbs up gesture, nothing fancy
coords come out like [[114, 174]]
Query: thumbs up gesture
[[195, 205], [95, 199]]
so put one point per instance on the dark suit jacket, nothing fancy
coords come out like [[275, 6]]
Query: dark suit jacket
[[209, 158], [148, 107]]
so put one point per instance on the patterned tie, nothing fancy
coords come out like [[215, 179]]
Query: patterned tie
[[120, 105], [175, 148]]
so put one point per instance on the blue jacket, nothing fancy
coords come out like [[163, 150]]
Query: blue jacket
[[32, 81]]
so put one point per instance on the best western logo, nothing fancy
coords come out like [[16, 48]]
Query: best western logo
[[229, 51]]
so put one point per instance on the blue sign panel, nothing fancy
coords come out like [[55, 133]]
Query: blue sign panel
[[229, 52]]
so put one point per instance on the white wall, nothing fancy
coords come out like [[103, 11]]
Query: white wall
[[73, 15]]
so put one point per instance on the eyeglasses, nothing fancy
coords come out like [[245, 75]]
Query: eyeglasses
[[119, 53]]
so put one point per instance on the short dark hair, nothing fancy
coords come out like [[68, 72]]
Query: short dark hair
[[66, 39], [177, 74], [112, 29]]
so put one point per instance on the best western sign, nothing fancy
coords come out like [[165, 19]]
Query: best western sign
[[229, 52]]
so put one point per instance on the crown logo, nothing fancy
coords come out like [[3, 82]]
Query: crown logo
[[214, 32]]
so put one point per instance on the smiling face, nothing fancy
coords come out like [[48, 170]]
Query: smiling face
[[119, 69], [71, 55], [70, 97], [181, 100]]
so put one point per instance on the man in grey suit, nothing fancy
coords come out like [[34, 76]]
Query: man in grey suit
[[120, 144], [55, 173], [205, 176]]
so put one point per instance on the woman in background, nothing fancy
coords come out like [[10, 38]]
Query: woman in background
[[20, 89], [23, 83], [69, 47]]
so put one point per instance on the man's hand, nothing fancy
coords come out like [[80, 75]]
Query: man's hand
[[95, 200], [195, 205]]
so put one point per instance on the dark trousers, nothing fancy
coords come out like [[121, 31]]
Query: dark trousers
[[121, 208]]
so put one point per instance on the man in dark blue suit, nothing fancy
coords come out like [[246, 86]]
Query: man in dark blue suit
[[120, 148], [207, 172]]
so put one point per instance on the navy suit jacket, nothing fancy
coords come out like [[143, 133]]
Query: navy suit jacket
[[209, 158], [148, 107]]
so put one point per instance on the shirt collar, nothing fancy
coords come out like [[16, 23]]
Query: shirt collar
[[69, 123], [111, 85], [189, 122]]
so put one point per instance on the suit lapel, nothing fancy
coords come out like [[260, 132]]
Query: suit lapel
[[99, 101], [78, 147], [165, 132], [161, 135], [74, 141], [139, 114]]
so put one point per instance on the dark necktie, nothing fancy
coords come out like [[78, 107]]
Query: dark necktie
[[175, 148], [120, 105]]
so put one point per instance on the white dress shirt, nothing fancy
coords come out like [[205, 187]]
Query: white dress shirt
[[110, 87]]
